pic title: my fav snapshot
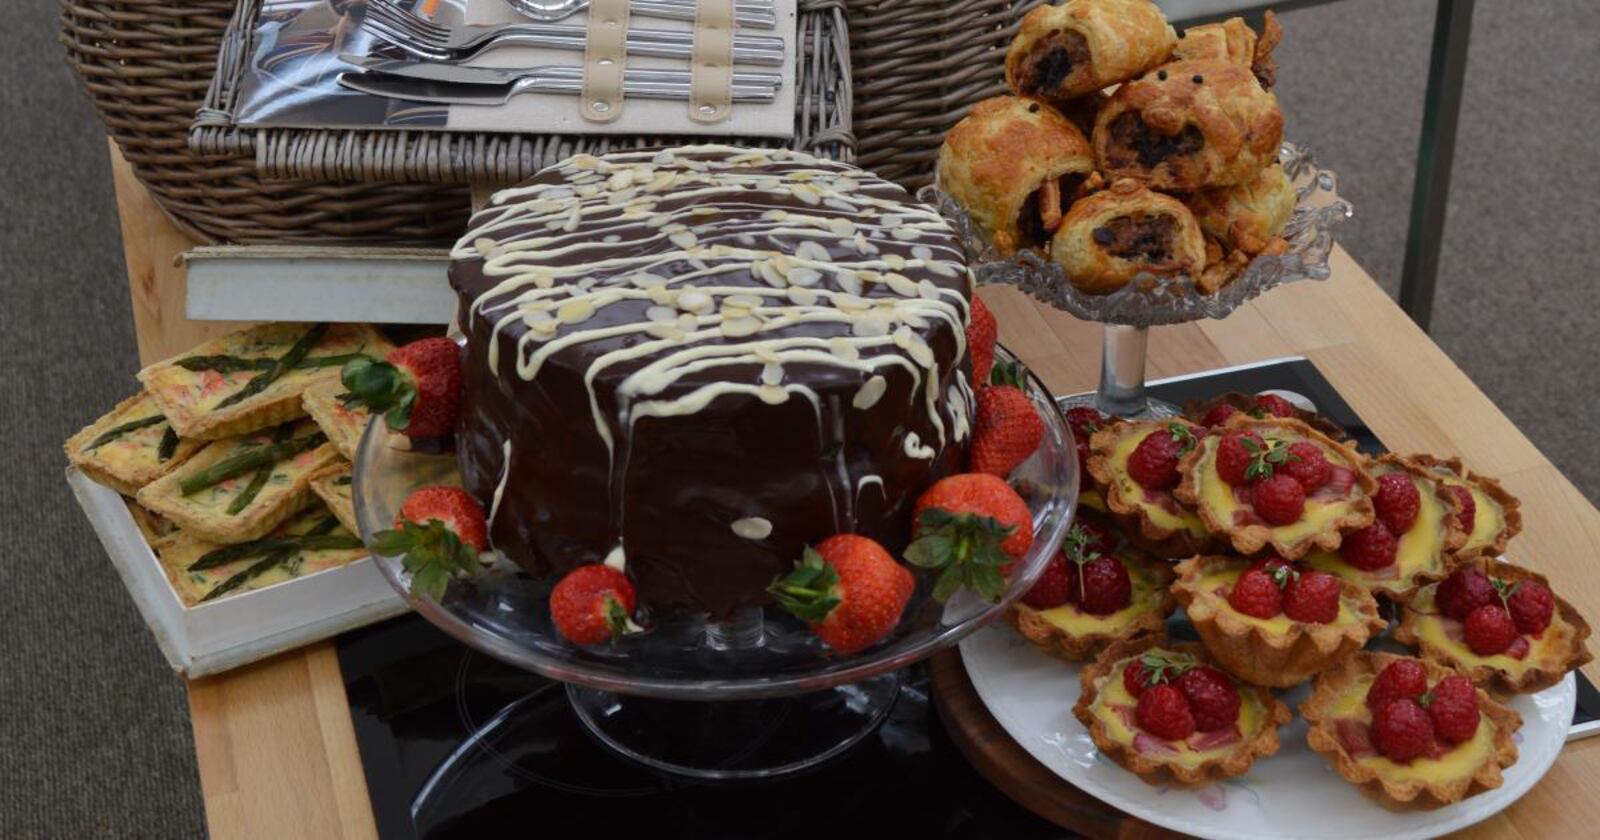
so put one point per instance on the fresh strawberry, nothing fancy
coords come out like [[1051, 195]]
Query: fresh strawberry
[[592, 604], [1235, 452], [1103, 585], [1276, 406], [1371, 548], [1465, 590], [1154, 462], [1256, 593], [1154, 668], [1006, 428], [1402, 730], [1453, 707], [1280, 500], [1467, 517], [1312, 597], [1213, 698], [1084, 421], [982, 332], [418, 389], [439, 533], [1056, 586], [970, 527], [1489, 630], [1402, 679], [1164, 712], [1308, 465], [1397, 501], [1218, 415], [1532, 606], [848, 589]]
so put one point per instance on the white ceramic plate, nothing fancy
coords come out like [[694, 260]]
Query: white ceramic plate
[[1291, 794]]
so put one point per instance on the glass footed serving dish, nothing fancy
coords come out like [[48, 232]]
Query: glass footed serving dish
[[749, 696], [1150, 301]]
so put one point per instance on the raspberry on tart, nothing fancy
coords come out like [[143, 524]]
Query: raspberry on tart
[[1175, 718], [1134, 465], [1421, 553], [1412, 751], [1095, 592], [1271, 506], [1289, 645], [1495, 637], [1225, 406], [1494, 515]]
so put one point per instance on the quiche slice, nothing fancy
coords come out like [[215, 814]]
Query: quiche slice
[[202, 571], [254, 378], [343, 424], [237, 490], [333, 485], [130, 446]]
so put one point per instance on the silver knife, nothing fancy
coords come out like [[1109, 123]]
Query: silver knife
[[532, 80], [432, 71]]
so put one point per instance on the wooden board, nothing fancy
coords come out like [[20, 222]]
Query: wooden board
[[276, 749]]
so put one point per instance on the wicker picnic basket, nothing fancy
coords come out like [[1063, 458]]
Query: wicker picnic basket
[[912, 69]]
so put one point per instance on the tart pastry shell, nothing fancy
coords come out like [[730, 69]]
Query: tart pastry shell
[[1252, 538], [1145, 533], [1259, 655], [1510, 506], [1393, 793], [1074, 647], [1235, 762], [1536, 678]]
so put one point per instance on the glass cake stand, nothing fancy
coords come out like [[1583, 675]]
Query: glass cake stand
[[1149, 301], [748, 697]]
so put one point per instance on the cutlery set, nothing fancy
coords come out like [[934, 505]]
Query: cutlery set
[[438, 75]]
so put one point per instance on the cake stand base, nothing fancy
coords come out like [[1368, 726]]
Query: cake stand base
[[740, 739]]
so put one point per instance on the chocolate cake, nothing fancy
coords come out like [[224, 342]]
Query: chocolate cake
[[699, 360]]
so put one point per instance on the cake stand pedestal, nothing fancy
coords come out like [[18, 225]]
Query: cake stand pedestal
[[1121, 391]]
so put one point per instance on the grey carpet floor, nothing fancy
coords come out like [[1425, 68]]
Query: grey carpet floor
[[94, 732]]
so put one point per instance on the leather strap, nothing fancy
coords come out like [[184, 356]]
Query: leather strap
[[605, 56], [711, 90]]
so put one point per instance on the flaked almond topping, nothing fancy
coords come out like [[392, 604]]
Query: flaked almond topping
[[870, 392], [843, 348], [575, 311], [807, 193], [851, 303], [927, 291], [775, 215], [802, 296], [944, 269], [901, 285], [623, 197], [657, 220], [894, 261], [772, 394], [770, 274], [771, 373], [810, 249], [666, 331], [696, 301], [803, 276], [922, 252], [688, 323], [842, 226], [849, 281], [703, 211], [485, 245], [684, 239], [674, 227], [905, 234], [663, 295], [621, 180], [765, 354], [920, 352], [740, 327], [588, 190], [871, 326], [661, 314], [584, 161], [752, 528], [663, 158]]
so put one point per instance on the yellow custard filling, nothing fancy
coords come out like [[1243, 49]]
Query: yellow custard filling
[[1224, 579], [1434, 629], [1092, 500], [1488, 520], [1462, 760], [1135, 492], [192, 586], [1112, 693], [1419, 548], [1146, 597], [200, 391], [1217, 495], [341, 423], [280, 482]]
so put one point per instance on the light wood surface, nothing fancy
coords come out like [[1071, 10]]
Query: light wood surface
[[276, 748]]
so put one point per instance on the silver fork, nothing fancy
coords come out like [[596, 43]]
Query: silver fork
[[426, 39], [753, 13]]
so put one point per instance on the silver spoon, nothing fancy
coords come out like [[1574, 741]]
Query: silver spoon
[[553, 10]]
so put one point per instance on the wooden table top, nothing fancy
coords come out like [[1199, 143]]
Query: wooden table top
[[274, 740]]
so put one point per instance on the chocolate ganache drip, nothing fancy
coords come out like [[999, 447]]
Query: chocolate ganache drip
[[698, 360]]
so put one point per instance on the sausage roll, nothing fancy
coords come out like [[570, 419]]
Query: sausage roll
[[1067, 51], [1112, 236], [1189, 125], [1015, 164], [1235, 42], [1241, 222]]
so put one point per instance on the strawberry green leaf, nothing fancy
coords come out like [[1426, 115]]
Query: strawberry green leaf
[[964, 543], [949, 581], [809, 592], [616, 617]]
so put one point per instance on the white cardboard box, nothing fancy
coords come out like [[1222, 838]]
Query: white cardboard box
[[238, 629]]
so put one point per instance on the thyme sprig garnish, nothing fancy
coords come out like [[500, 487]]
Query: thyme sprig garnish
[[1264, 460]]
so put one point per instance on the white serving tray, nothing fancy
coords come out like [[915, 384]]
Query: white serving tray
[[238, 629]]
